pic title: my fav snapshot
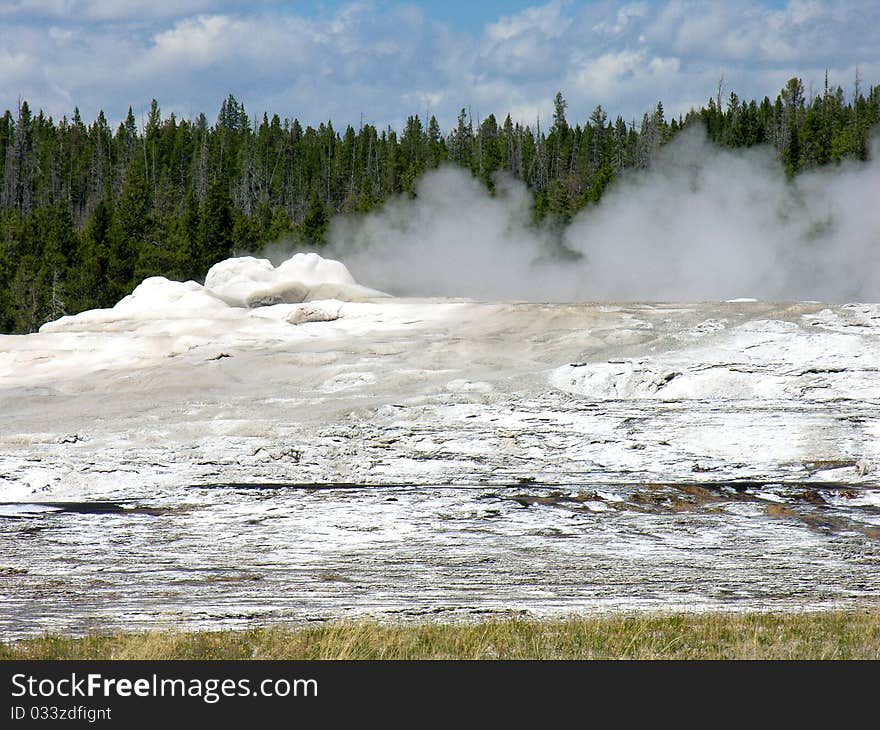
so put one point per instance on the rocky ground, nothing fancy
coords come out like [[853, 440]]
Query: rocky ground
[[217, 466]]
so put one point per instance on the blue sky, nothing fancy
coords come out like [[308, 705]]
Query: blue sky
[[383, 59]]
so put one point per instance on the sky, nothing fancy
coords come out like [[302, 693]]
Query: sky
[[380, 60]]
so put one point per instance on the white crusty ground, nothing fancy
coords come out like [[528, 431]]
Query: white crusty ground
[[442, 407]]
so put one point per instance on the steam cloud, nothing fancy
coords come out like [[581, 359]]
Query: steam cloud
[[703, 224]]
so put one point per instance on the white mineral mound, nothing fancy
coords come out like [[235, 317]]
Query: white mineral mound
[[233, 283], [163, 318], [305, 277], [155, 299]]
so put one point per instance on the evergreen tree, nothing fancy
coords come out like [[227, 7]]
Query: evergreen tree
[[89, 281], [315, 221], [215, 228], [128, 230]]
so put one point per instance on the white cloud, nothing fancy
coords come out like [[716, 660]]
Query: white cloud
[[752, 32], [195, 42], [547, 20], [626, 14], [14, 65]]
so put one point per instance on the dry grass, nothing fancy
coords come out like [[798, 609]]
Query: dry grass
[[822, 635]]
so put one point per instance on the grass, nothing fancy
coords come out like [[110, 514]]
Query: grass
[[820, 635]]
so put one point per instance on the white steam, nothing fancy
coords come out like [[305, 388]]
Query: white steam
[[703, 224], [455, 239]]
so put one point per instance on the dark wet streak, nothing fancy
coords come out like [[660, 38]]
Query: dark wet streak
[[84, 508], [738, 485]]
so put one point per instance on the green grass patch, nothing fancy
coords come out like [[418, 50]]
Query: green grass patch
[[819, 635]]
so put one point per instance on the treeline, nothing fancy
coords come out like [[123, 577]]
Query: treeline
[[87, 212]]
